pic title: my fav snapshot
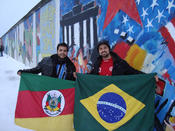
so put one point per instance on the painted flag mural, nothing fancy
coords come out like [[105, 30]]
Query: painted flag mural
[[114, 102], [168, 33], [45, 103]]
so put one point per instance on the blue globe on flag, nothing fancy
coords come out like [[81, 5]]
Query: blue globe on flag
[[111, 107]]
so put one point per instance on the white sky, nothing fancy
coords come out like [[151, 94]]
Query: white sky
[[11, 11], [9, 85]]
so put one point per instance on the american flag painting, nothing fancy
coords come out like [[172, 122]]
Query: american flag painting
[[168, 32], [149, 24]]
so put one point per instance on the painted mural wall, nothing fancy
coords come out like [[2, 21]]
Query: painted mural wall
[[45, 30], [35, 37], [140, 31]]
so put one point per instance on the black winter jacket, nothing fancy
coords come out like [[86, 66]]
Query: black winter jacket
[[47, 67], [120, 66]]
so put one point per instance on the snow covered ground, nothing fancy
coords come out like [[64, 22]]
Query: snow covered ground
[[9, 85]]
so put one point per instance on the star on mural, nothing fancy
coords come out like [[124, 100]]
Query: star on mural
[[170, 5], [130, 30], [144, 13], [149, 24], [138, 2], [159, 15], [154, 4], [125, 19], [127, 6]]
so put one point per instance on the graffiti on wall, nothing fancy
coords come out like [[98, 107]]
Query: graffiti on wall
[[19, 42], [21, 45], [47, 29], [4, 42], [12, 42], [165, 106], [28, 38], [79, 31], [38, 35], [141, 32]]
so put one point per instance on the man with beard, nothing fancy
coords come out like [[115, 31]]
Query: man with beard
[[109, 63], [57, 65]]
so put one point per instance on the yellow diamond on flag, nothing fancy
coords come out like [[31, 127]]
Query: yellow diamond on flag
[[112, 107]]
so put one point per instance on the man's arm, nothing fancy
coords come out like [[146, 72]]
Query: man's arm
[[34, 70]]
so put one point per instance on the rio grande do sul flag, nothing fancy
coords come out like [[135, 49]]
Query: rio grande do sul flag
[[118, 103], [45, 103]]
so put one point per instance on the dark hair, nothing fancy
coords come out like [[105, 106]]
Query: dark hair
[[62, 44], [103, 42]]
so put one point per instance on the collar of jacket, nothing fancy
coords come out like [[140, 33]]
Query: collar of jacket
[[56, 59]]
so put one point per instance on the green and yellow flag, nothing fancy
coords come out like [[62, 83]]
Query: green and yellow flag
[[114, 103]]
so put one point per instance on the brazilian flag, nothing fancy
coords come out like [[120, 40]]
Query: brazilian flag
[[119, 103]]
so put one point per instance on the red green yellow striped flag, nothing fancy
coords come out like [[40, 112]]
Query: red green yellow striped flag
[[45, 103]]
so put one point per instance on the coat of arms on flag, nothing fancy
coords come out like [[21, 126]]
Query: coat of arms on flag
[[53, 103]]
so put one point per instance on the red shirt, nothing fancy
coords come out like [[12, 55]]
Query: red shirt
[[106, 67]]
